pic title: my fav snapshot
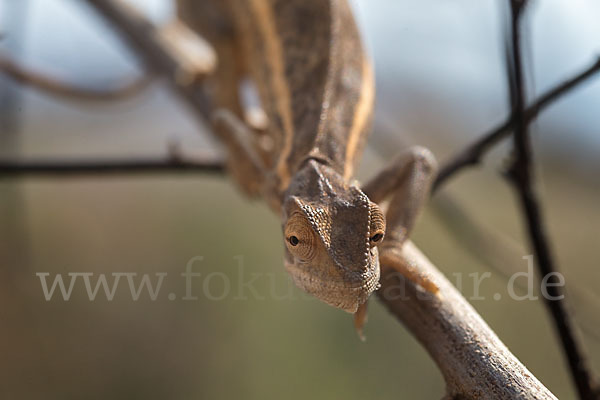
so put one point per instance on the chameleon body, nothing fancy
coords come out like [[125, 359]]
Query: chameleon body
[[316, 87]]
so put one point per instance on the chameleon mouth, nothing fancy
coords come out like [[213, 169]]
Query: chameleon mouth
[[338, 293]]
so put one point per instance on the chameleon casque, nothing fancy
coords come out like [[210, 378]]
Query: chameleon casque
[[316, 87]]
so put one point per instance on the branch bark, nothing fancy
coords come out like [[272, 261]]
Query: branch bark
[[473, 360]]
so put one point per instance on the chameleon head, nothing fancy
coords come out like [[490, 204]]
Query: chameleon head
[[331, 230]]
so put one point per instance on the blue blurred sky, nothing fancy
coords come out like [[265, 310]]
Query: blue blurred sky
[[438, 62], [447, 56]]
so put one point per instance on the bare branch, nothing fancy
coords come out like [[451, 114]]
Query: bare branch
[[160, 53], [167, 165], [474, 362], [473, 153], [68, 91], [521, 175]]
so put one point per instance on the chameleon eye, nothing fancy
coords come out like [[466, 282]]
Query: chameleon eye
[[300, 237], [377, 237], [377, 227]]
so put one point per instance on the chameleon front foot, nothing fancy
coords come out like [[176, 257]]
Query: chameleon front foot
[[391, 257]]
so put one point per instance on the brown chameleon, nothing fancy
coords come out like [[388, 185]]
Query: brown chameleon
[[316, 89]]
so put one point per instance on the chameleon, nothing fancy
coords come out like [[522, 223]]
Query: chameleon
[[315, 83]]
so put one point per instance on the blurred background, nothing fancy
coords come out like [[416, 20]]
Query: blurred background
[[440, 82]]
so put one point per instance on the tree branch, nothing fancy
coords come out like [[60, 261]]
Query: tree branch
[[161, 52], [473, 153], [167, 165], [521, 175], [474, 362], [69, 91]]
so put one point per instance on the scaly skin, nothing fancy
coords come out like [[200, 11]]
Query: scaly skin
[[316, 87]]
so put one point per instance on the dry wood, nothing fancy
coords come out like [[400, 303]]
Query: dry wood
[[474, 362]]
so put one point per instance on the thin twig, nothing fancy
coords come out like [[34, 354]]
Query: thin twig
[[166, 165], [69, 91], [521, 175], [473, 153]]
